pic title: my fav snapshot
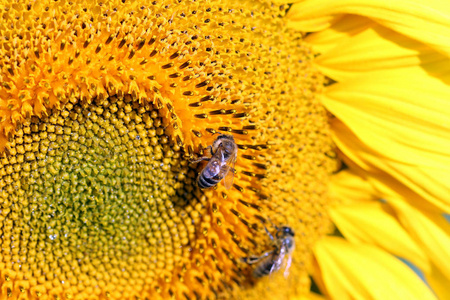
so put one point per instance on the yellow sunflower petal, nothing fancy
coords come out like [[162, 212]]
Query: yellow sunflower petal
[[399, 132], [366, 272], [348, 187], [391, 177], [377, 49], [319, 23], [338, 33], [388, 113], [373, 223], [281, 2], [310, 296], [426, 21], [431, 230], [439, 283]]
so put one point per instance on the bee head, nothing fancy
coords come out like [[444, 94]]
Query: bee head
[[287, 231], [286, 234], [225, 136]]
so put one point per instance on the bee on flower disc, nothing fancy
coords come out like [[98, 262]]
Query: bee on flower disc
[[220, 164], [272, 261]]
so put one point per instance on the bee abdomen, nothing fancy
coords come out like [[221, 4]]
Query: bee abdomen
[[205, 183], [263, 269]]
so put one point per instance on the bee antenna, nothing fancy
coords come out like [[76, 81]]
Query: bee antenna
[[271, 223], [270, 235]]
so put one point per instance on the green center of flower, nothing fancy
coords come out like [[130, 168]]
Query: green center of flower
[[98, 191]]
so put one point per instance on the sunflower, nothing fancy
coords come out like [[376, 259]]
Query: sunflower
[[104, 106]]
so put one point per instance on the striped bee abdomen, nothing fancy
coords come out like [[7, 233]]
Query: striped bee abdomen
[[264, 268], [204, 182]]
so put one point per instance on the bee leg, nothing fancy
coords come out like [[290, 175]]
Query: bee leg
[[200, 159], [270, 235], [251, 259], [275, 226], [210, 149]]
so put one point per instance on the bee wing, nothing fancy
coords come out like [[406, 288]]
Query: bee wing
[[288, 265], [278, 262], [229, 176]]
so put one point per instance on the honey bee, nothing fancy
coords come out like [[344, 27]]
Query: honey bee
[[272, 261], [220, 164]]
